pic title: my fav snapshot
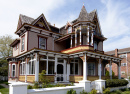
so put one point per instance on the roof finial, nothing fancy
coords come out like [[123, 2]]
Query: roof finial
[[83, 4]]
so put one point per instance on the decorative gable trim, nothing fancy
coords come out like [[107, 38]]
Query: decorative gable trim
[[41, 16]]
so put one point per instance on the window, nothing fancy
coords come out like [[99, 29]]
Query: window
[[122, 56], [22, 44], [90, 68], [16, 47], [42, 43], [9, 70], [74, 66], [123, 72], [69, 30], [31, 67], [123, 64], [95, 45], [51, 67], [13, 70], [22, 68]]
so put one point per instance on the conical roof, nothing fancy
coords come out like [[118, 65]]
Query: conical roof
[[83, 16]]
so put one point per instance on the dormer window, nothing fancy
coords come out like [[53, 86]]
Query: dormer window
[[69, 30]]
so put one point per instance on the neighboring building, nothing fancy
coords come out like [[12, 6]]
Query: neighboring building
[[125, 63], [73, 52]]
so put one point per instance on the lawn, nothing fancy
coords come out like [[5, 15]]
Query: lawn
[[4, 90]]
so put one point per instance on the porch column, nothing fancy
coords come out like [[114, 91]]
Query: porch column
[[119, 70], [64, 70], [47, 65], [92, 37], [26, 71], [88, 35], [55, 69], [37, 67], [71, 41], [85, 68], [80, 36], [75, 37], [68, 71], [99, 68], [110, 69]]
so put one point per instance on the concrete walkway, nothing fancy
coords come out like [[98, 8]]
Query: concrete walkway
[[4, 85]]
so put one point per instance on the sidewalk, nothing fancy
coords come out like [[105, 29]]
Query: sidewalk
[[4, 85]]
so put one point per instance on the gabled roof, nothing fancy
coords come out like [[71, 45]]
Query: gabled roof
[[26, 19], [14, 42], [124, 50]]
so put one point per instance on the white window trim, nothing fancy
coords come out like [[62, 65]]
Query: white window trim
[[13, 70]]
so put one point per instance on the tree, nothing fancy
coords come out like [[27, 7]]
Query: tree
[[5, 49]]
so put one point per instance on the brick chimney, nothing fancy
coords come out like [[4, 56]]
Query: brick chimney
[[116, 52]]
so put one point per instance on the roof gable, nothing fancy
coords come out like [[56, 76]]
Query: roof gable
[[41, 22]]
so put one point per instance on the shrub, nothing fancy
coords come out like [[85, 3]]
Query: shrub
[[36, 85], [107, 73], [116, 82], [71, 91], [29, 87], [106, 91], [93, 91], [43, 78], [83, 92], [118, 92]]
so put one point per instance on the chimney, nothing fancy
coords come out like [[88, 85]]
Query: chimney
[[54, 24], [116, 52]]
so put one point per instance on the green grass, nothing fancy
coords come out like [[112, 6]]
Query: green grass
[[4, 90]]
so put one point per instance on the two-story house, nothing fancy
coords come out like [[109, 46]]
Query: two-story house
[[71, 53]]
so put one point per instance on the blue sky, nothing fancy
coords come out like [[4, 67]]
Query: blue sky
[[114, 16]]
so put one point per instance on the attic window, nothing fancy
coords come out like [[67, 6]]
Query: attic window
[[69, 30]]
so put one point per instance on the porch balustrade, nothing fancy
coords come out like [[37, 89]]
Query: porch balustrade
[[77, 78]]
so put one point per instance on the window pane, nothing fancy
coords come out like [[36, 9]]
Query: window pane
[[50, 67], [42, 66], [13, 67], [42, 43], [76, 68], [71, 68]]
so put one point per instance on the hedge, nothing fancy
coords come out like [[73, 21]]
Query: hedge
[[116, 82]]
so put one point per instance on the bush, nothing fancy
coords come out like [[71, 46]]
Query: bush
[[29, 87], [93, 91], [83, 92], [116, 82], [71, 91], [43, 78], [36, 85], [106, 91]]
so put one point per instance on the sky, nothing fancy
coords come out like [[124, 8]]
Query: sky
[[114, 16]]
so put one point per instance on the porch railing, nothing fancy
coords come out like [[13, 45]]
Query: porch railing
[[77, 78]]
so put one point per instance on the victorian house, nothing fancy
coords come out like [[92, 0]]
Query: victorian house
[[71, 53]]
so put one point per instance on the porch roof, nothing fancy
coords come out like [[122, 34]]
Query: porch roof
[[72, 55]]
